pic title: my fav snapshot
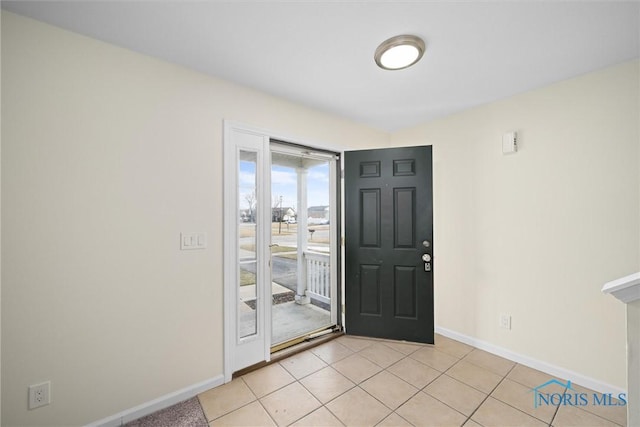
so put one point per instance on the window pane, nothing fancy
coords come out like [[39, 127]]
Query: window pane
[[248, 260]]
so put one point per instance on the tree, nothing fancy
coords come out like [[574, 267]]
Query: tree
[[251, 201]]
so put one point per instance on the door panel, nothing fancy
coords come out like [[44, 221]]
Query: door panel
[[404, 213], [370, 289], [246, 236], [404, 286], [370, 218], [388, 211]]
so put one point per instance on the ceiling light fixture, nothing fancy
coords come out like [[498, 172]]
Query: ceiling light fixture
[[399, 52]]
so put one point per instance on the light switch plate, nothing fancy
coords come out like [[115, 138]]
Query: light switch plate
[[189, 241], [509, 143]]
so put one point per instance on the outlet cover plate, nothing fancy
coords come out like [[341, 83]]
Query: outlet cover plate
[[505, 321], [39, 395]]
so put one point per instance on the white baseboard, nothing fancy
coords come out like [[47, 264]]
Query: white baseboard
[[162, 402], [548, 368]]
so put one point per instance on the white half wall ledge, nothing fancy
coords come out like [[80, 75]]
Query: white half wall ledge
[[626, 289]]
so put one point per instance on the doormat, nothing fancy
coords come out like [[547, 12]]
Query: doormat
[[185, 414], [276, 299]]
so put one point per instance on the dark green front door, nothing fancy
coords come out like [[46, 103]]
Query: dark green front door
[[389, 237]]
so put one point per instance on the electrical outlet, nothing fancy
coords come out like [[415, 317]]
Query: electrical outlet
[[505, 321], [39, 395]]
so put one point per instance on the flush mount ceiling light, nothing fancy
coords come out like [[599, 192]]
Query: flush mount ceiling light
[[399, 52]]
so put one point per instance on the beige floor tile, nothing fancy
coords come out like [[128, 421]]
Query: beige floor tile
[[327, 384], [615, 412], [452, 347], [321, 417], [529, 377], [251, 415], [357, 368], [569, 416], [454, 379], [424, 410], [381, 354], [523, 398], [394, 420], [357, 408], [225, 398], [355, 343], [415, 373], [268, 379], [434, 358], [403, 347], [459, 396], [302, 364], [496, 364], [331, 352], [475, 376], [389, 389], [290, 404], [495, 413]]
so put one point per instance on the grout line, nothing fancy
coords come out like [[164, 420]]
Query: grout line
[[422, 389], [555, 413], [335, 397], [489, 369], [489, 395], [588, 412], [393, 411], [246, 404], [268, 414], [398, 415], [331, 412]]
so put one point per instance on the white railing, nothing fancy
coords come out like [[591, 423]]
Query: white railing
[[318, 277]]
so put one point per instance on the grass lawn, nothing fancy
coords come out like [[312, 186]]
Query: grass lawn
[[249, 230], [247, 278], [274, 249], [289, 256]]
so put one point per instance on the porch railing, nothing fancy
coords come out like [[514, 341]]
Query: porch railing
[[318, 277]]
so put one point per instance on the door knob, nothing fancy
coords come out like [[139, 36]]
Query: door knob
[[426, 257]]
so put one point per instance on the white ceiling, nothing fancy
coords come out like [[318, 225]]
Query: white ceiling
[[320, 53]]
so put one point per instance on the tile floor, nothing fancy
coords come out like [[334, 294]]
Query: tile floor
[[354, 381]]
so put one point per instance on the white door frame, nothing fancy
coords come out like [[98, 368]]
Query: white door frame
[[240, 353]]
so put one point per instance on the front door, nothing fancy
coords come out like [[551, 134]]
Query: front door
[[389, 244]]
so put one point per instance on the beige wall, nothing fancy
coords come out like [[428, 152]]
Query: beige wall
[[536, 234], [107, 156]]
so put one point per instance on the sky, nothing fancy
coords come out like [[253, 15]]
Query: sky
[[284, 183]]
